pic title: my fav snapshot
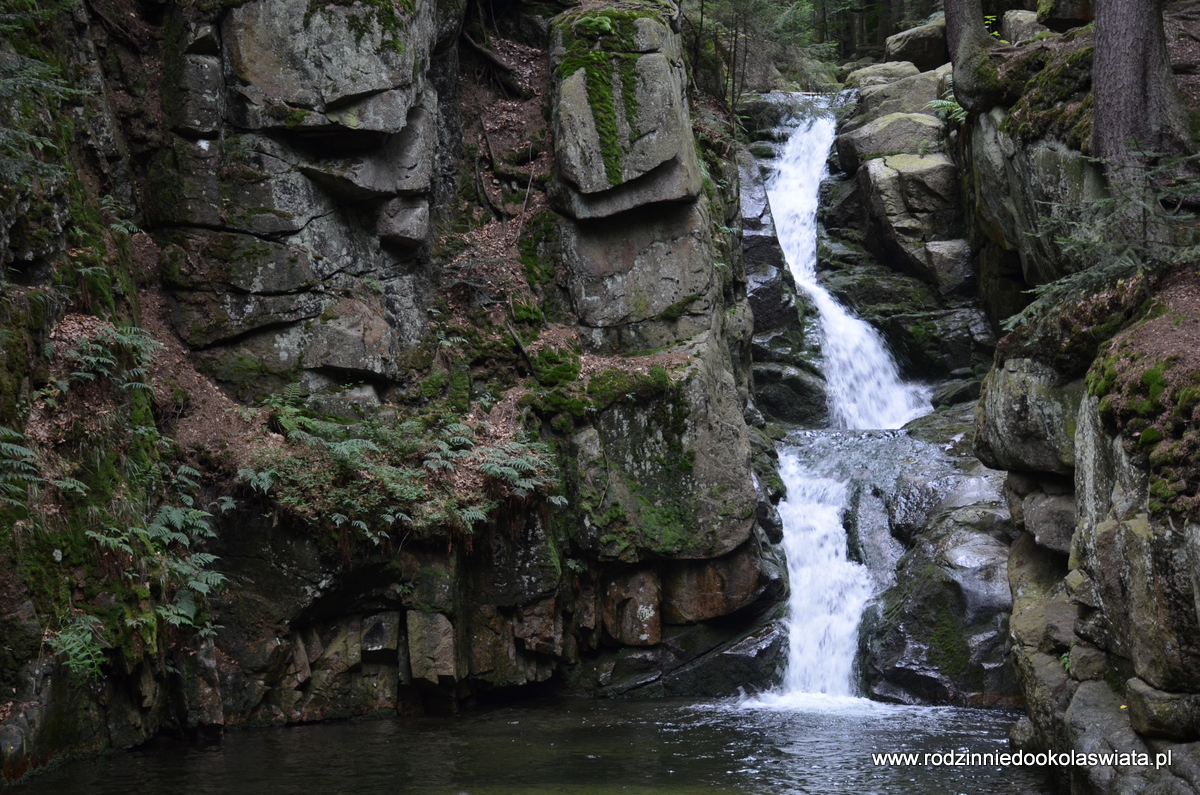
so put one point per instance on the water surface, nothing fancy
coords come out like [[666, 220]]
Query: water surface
[[768, 747]]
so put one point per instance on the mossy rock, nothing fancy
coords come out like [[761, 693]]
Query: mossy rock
[[618, 77]]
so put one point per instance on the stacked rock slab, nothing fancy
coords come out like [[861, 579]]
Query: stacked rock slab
[[298, 169], [669, 479], [1103, 592]]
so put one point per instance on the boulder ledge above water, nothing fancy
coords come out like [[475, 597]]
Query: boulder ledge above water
[[895, 133], [1025, 420]]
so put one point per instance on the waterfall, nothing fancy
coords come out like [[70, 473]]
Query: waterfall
[[863, 382], [828, 591]]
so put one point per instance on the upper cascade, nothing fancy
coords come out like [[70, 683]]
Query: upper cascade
[[864, 386]]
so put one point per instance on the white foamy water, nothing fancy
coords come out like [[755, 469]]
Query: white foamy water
[[828, 591], [863, 382]]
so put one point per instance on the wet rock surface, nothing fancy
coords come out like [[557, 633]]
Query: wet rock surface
[[931, 525]]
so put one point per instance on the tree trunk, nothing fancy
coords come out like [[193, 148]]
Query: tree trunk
[[969, 42], [965, 30], [1138, 110]]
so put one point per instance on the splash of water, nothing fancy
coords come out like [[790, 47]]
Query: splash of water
[[863, 382]]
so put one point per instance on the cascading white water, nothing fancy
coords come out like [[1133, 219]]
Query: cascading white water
[[863, 382], [828, 591]]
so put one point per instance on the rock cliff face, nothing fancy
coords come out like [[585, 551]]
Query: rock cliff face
[[1089, 416], [333, 208]]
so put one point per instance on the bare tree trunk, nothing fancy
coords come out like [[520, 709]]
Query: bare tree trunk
[[974, 77], [1138, 110]]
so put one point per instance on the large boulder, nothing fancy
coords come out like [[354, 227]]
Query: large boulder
[[1022, 193], [1141, 565], [950, 268], [913, 200], [403, 166], [431, 646], [754, 662], [622, 131], [665, 471], [1019, 25], [354, 336], [1062, 15], [924, 46], [876, 293], [1098, 722], [1155, 713], [939, 635], [895, 133], [699, 590], [641, 285], [793, 394], [907, 95], [1050, 518], [304, 66], [1026, 418], [936, 344]]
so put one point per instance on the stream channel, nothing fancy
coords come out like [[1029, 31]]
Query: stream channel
[[812, 734]]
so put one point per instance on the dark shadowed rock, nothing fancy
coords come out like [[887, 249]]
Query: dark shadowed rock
[[632, 611], [699, 590], [1051, 520], [1022, 421]]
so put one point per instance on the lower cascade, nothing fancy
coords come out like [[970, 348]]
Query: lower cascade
[[828, 592]]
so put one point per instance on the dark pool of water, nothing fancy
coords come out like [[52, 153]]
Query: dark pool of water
[[578, 747]]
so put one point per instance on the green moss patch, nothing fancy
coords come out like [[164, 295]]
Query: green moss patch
[[1148, 383], [389, 17], [554, 366], [1050, 86], [601, 43]]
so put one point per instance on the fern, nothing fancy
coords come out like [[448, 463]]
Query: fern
[[260, 481], [120, 215], [949, 111], [471, 515], [18, 470], [79, 643], [372, 478]]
